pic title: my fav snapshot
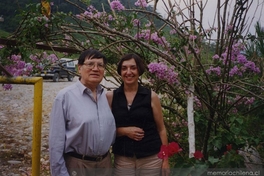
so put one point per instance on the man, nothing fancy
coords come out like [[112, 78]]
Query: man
[[82, 127]]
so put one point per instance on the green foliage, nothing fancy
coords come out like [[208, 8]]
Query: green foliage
[[35, 27], [231, 160], [11, 11], [4, 34], [182, 165]]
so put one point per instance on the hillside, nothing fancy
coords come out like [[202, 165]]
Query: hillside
[[10, 10]]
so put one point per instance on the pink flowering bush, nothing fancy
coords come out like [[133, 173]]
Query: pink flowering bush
[[42, 61], [176, 56], [141, 3], [116, 5], [180, 53], [239, 64], [17, 67], [163, 72]]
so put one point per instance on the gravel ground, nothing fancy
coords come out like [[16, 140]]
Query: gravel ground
[[16, 114], [16, 117]]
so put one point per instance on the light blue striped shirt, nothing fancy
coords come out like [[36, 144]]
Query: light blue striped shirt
[[79, 124]]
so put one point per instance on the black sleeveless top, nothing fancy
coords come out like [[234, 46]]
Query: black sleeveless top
[[139, 115]]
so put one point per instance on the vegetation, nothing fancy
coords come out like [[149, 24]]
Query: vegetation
[[209, 78], [11, 11], [4, 33]]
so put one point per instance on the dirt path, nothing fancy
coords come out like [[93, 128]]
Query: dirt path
[[16, 114]]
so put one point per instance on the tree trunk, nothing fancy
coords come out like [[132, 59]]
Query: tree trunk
[[191, 126]]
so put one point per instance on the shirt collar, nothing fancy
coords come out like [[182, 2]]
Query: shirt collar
[[84, 89]]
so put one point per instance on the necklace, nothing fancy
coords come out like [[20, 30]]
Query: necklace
[[128, 106]]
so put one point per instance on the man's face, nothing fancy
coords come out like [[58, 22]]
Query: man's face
[[92, 71]]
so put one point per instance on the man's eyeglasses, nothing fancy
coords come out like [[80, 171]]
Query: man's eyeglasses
[[91, 65]]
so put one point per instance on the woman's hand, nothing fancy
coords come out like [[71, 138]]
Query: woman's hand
[[134, 133], [165, 167]]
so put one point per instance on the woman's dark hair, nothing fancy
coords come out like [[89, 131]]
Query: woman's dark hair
[[91, 54], [138, 60]]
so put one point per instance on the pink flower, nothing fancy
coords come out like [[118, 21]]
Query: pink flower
[[162, 71], [198, 154], [215, 56], [229, 147], [136, 22], [141, 3], [192, 37], [7, 87], [116, 5]]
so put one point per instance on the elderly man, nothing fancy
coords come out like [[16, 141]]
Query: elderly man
[[82, 127]]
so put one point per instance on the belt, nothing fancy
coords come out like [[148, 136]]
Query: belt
[[85, 157]]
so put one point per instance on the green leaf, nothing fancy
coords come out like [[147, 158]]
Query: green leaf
[[217, 143], [235, 130], [212, 160], [239, 120]]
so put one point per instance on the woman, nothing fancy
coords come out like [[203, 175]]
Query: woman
[[139, 121]]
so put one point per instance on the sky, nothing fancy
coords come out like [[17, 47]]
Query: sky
[[255, 13]]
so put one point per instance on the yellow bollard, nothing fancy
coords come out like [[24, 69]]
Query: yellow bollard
[[37, 115]]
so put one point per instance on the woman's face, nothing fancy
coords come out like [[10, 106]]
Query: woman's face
[[129, 71]]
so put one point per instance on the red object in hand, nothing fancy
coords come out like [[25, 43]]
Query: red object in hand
[[173, 148], [164, 153], [168, 151]]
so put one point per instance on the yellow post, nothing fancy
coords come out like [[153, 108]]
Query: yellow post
[[36, 145], [37, 118]]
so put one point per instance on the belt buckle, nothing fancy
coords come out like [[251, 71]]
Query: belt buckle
[[99, 158]]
